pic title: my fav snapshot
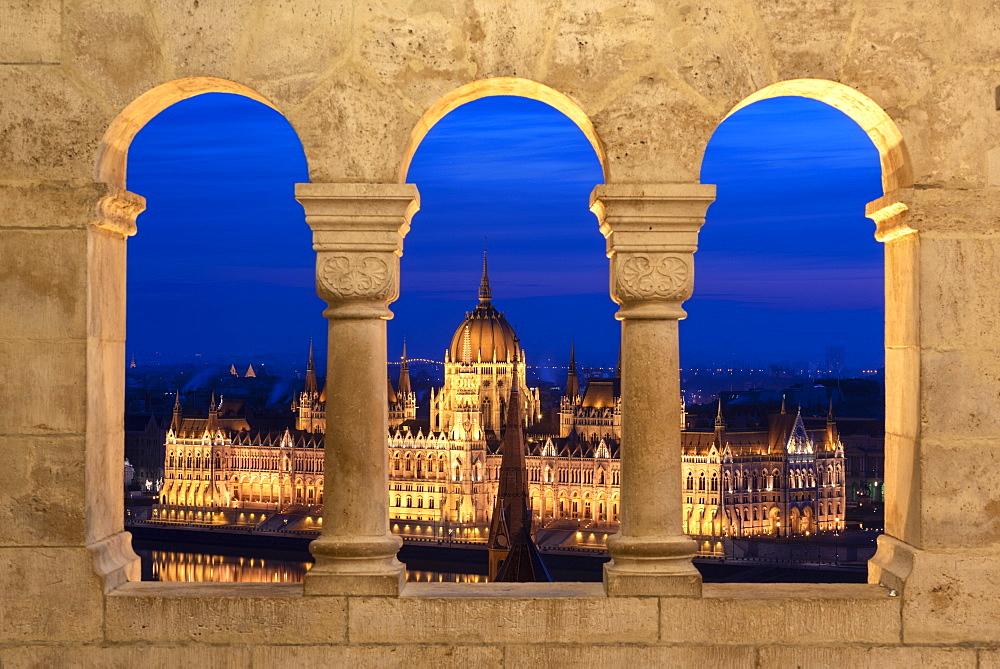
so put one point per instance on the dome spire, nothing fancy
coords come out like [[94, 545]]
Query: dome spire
[[485, 294]]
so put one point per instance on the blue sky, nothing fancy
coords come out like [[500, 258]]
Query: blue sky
[[787, 264]]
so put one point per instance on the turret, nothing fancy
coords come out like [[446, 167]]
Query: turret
[[720, 427], [213, 415], [832, 433]]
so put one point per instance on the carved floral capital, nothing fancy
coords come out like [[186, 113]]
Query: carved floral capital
[[358, 277], [651, 277]]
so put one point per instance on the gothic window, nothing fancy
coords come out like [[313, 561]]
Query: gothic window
[[715, 483], [420, 502], [398, 501], [409, 501], [430, 503], [701, 481]]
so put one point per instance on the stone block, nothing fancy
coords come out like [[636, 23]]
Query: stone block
[[959, 390], [42, 482], [728, 657], [950, 597], [778, 613], [228, 613], [115, 47], [51, 125], [208, 37], [30, 31], [383, 656], [955, 514], [902, 291], [50, 595], [44, 389], [808, 657], [960, 307], [106, 285], [62, 204], [105, 438], [513, 617], [286, 70], [125, 657], [43, 284], [902, 392], [807, 38]]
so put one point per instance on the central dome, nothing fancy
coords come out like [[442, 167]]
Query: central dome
[[485, 333]]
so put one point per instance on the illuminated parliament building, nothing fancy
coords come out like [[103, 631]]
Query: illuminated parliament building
[[778, 480]]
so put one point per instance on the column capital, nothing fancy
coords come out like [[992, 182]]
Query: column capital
[[358, 231], [652, 234]]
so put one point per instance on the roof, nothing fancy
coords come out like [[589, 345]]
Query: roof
[[601, 393]]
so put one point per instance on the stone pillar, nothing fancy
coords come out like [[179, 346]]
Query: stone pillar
[[357, 235], [941, 547], [652, 234]]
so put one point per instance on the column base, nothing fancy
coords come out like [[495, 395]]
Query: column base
[[652, 566], [356, 566], [115, 561]]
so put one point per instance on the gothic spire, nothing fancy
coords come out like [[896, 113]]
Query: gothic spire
[[175, 424], [403, 388], [485, 294], [572, 382], [783, 410], [719, 420], [311, 385], [213, 414]]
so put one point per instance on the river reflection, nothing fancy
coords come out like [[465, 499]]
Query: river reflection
[[201, 567]]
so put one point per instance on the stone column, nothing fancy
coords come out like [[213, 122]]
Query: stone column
[[652, 234], [357, 235], [941, 547]]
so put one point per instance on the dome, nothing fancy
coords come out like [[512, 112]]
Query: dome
[[485, 331], [488, 333]]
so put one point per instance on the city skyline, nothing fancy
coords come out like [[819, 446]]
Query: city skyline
[[536, 164]]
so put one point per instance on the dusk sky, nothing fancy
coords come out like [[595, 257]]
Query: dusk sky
[[787, 263]]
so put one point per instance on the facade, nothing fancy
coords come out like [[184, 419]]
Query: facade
[[444, 473]]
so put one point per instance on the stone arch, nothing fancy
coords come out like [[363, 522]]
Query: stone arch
[[112, 152], [897, 171], [484, 88]]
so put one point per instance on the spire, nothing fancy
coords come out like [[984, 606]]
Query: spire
[[829, 414], [311, 386], [485, 294], [213, 415], [783, 410], [572, 382], [175, 424], [510, 527], [719, 420], [403, 387]]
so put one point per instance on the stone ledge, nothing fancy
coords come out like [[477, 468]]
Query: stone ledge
[[405, 657], [124, 657], [223, 613], [526, 619], [783, 613], [871, 656]]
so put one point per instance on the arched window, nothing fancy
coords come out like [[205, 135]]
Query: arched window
[[409, 501], [701, 481], [430, 503], [690, 481], [715, 483]]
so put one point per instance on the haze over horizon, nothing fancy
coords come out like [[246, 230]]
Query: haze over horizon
[[787, 265]]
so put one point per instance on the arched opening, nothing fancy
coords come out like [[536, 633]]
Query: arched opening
[[208, 166], [811, 274]]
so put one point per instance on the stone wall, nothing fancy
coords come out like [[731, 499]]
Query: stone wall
[[360, 81]]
